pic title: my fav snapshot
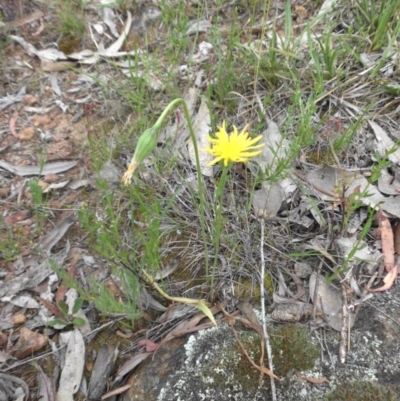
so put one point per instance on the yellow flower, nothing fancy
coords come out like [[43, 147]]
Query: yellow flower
[[235, 148]]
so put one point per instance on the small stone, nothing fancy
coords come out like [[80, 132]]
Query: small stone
[[3, 339], [28, 343], [42, 184], [4, 192], [26, 134], [50, 178], [29, 100], [19, 319], [39, 120]]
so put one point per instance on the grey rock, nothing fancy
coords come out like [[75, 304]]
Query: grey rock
[[198, 367]]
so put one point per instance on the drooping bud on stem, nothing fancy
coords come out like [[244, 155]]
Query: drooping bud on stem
[[147, 142]]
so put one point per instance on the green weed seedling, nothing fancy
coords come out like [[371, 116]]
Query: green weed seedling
[[70, 13], [37, 201], [8, 246], [64, 318]]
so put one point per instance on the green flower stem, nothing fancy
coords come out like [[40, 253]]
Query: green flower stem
[[157, 126], [219, 198]]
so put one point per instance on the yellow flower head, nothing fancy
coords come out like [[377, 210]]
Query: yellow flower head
[[235, 148]]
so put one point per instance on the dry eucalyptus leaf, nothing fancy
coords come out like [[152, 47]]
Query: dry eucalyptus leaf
[[23, 300], [328, 301], [275, 147], [51, 55], [46, 388], [71, 375], [114, 48], [387, 241], [387, 184], [384, 142], [47, 243], [146, 301], [109, 172], [201, 126], [102, 369], [54, 168], [268, 200], [131, 364], [347, 245], [11, 99], [108, 18], [329, 182]]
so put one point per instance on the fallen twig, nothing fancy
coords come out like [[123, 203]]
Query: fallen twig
[[264, 323]]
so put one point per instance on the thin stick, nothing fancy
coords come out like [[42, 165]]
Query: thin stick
[[344, 329], [266, 336]]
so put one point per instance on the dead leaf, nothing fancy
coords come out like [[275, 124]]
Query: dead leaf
[[54, 84], [51, 66], [11, 99], [201, 126], [275, 148], [46, 387], [118, 390], [13, 121], [28, 48], [40, 29], [57, 167], [131, 364], [387, 183], [28, 343], [23, 300], [16, 217], [47, 243], [396, 234], [387, 241], [327, 180], [151, 346], [53, 309], [328, 302], [102, 369], [114, 48], [71, 375], [313, 380], [246, 308], [166, 271], [384, 143], [388, 280], [268, 200], [108, 18], [146, 301]]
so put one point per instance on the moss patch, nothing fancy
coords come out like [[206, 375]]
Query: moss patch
[[291, 348], [362, 391], [247, 287]]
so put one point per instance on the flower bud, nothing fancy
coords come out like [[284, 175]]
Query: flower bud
[[146, 143]]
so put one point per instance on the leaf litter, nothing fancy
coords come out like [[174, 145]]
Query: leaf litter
[[324, 184]]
